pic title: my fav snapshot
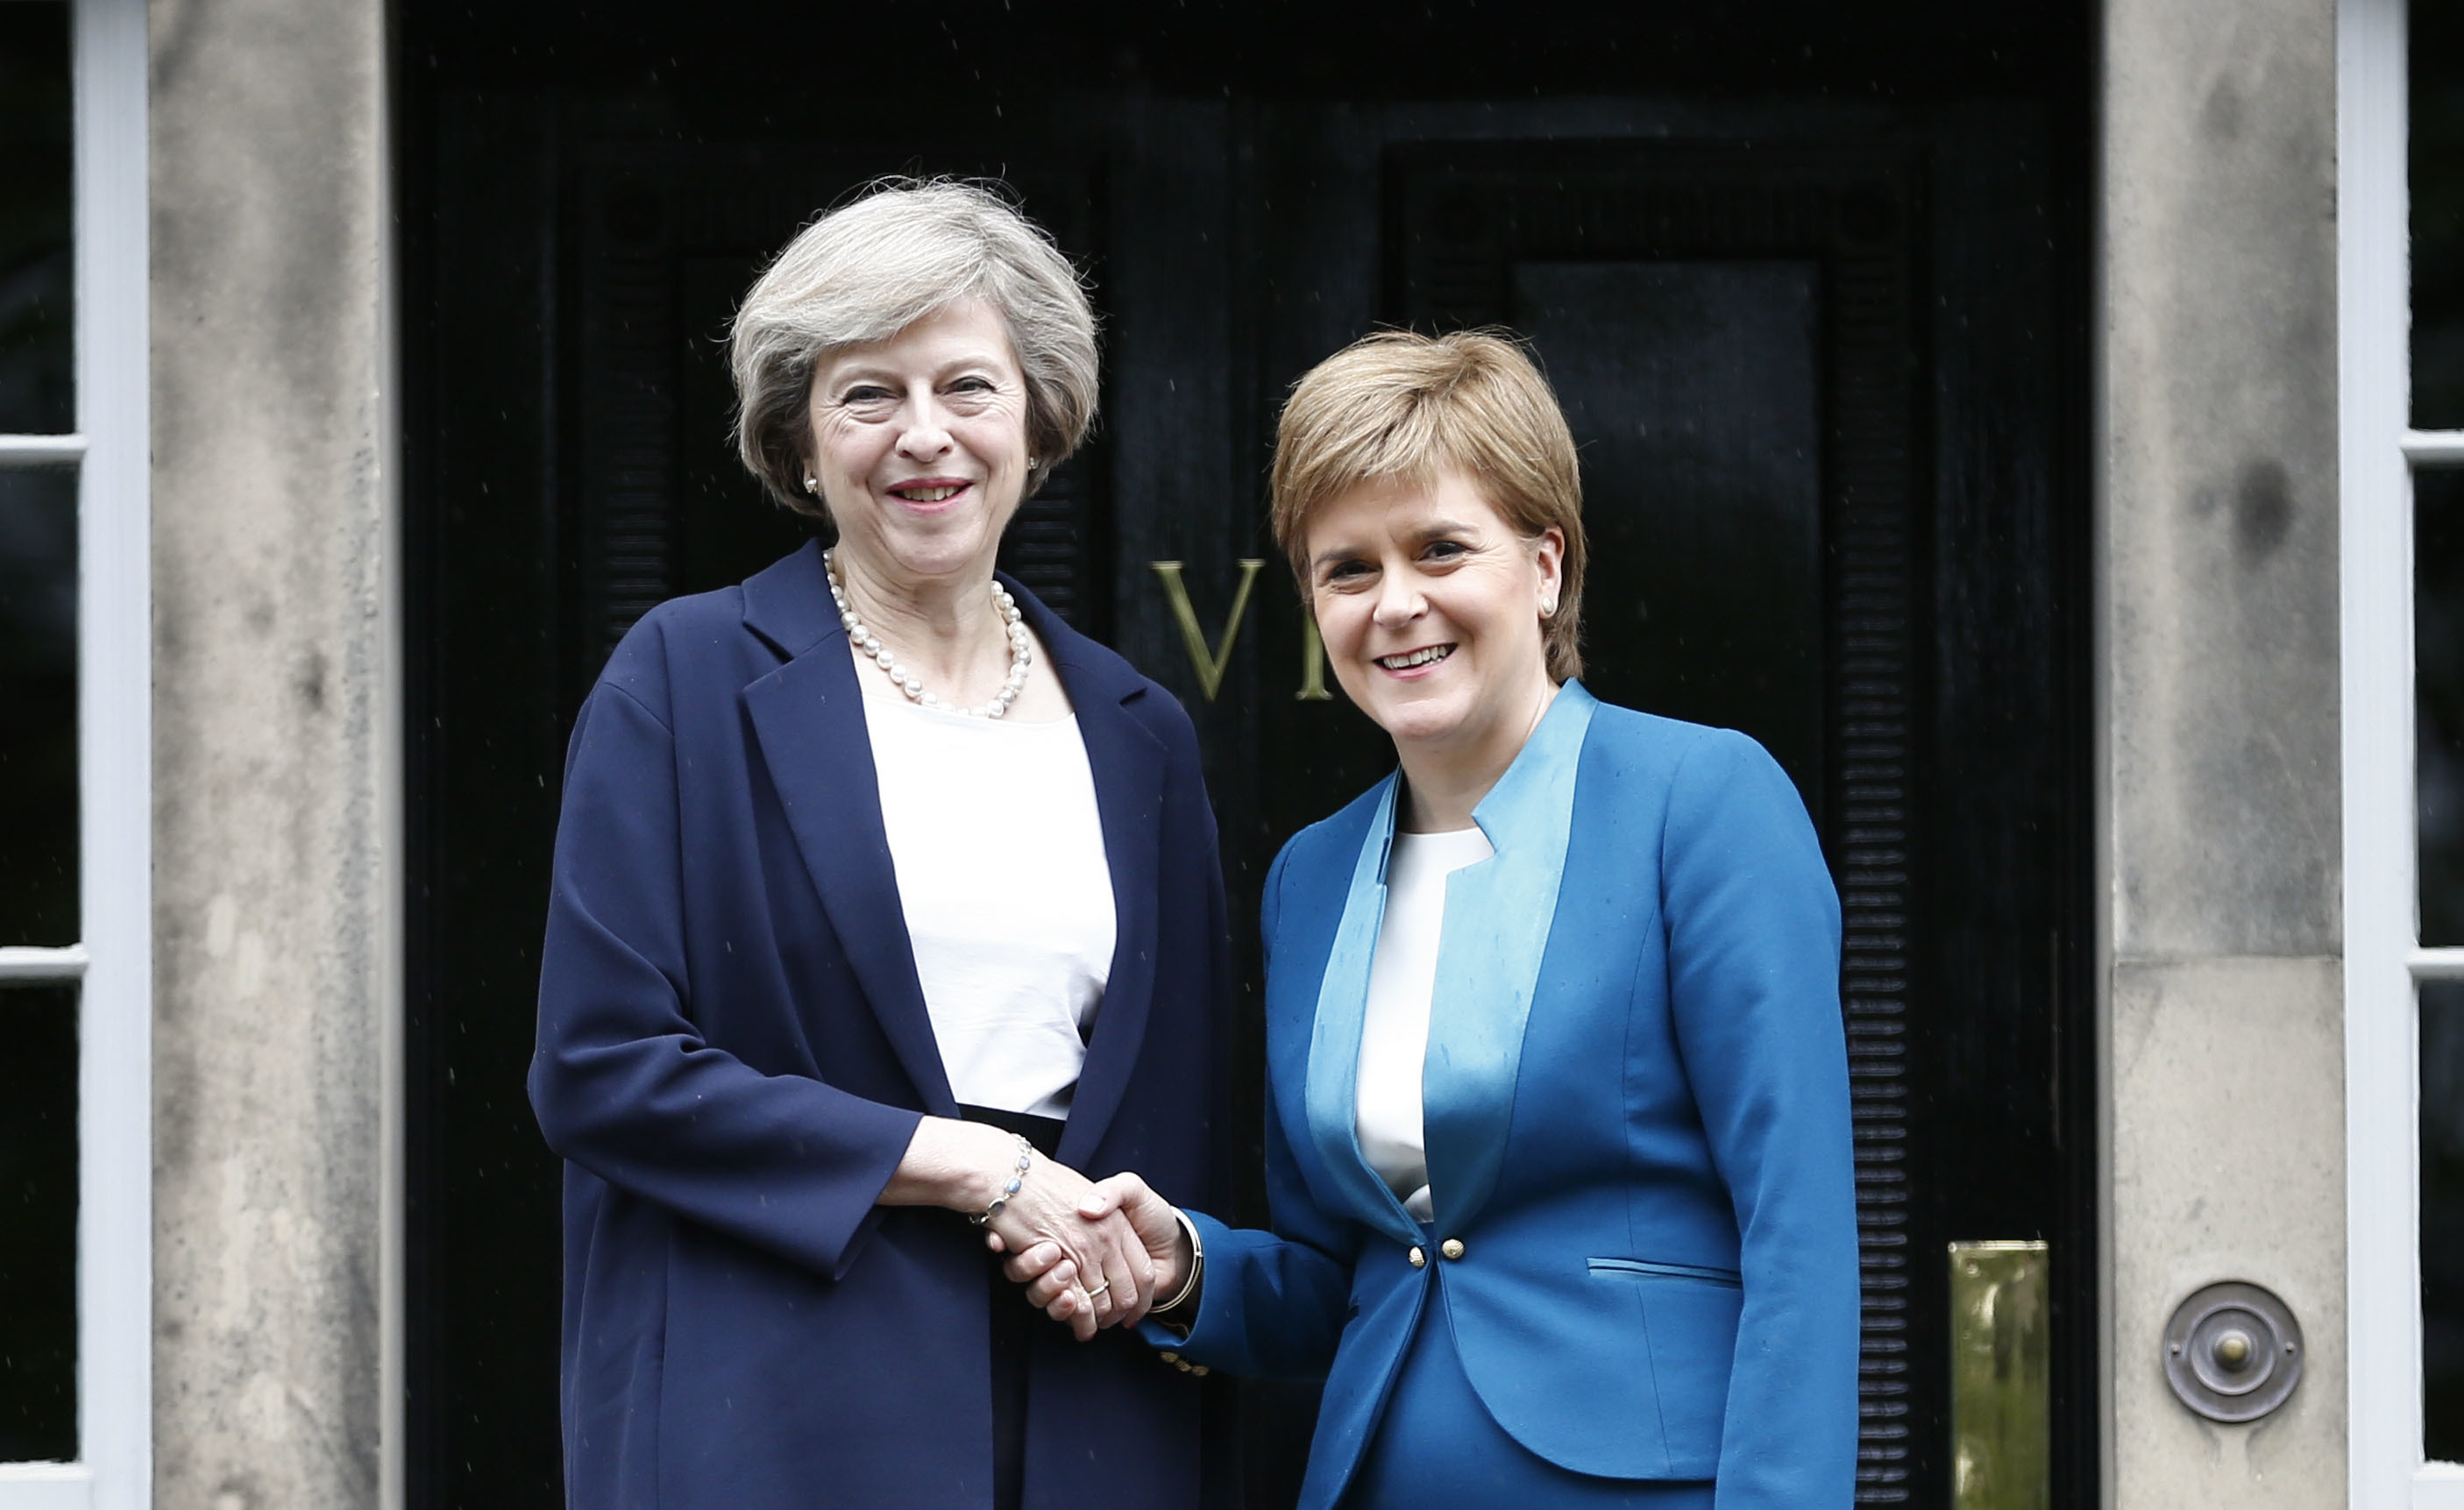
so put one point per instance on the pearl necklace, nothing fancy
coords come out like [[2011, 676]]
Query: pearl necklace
[[1021, 651]]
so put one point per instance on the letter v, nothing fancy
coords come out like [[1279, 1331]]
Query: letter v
[[1209, 664]]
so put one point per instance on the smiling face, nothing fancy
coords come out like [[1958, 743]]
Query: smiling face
[[919, 445], [1431, 605]]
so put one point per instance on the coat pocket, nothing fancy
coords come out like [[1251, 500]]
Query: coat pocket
[[1690, 1314]]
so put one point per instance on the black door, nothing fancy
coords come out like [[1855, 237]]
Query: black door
[[1811, 295]]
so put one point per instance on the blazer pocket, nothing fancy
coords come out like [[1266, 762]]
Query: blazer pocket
[[1706, 1273], [1689, 1312]]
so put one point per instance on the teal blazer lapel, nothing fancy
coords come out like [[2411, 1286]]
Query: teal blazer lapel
[[1498, 916], [1330, 1098]]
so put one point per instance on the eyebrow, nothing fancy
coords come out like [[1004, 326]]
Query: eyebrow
[[1434, 530], [853, 371]]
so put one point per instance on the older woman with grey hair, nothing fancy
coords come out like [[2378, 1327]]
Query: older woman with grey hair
[[884, 904]]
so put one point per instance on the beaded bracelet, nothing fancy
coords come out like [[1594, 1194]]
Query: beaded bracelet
[[1026, 1157]]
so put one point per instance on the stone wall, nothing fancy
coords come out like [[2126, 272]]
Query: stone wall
[[275, 752], [2218, 680]]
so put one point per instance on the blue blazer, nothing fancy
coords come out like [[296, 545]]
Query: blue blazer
[[1637, 1117], [733, 1053]]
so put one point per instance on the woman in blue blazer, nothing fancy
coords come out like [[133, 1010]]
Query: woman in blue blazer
[[883, 904], [1558, 1138]]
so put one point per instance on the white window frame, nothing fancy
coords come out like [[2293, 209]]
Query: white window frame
[[114, 961], [2384, 962]]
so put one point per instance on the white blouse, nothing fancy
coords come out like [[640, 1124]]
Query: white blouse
[[1395, 1033], [999, 849]]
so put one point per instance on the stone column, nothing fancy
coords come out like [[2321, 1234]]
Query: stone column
[[2221, 808], [276, 754]]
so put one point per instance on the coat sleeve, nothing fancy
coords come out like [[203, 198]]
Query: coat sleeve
[[621, 1082], [1753, 972], [1274, 1302]]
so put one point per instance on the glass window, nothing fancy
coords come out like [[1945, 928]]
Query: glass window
[[39, 1200], [75, 769], [2442, 1220], [38, 664], [2438, 700], [2400, 208], [2435, 172], [35, 364], [40, 778], [2438, 172]]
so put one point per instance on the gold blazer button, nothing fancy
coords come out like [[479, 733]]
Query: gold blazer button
[[1452, 1247], [1419, 1258]]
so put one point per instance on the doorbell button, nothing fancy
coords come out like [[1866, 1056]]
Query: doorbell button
[[2233, 1352]]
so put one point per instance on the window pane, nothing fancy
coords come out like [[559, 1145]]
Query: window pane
[[2437, 214], [38, 1199], [2439, 658], [38, 772], [35, 368], [2442, 1220]]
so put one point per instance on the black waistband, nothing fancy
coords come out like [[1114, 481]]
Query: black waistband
[[1044, 1132], [1013, 1327]]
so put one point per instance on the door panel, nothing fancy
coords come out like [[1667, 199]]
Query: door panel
[[1823, 361], [1693, 391]]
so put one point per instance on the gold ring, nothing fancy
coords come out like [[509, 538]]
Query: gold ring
[[1099, 1289]]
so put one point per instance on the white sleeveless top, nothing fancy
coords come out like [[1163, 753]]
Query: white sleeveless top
[[999, 849], [1395, 1033]]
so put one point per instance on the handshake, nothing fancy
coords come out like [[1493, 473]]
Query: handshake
[[1092, 1254]]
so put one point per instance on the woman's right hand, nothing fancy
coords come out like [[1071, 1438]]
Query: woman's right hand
[[1045, 1270], [964, 1166], [1099, 1260]]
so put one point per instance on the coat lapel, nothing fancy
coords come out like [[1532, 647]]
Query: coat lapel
[[809, 718], [1497, 921], [1129, 765], [1331, 1101]]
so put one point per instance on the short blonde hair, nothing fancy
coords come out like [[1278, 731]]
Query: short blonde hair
[[900, 250], [1403, 406]]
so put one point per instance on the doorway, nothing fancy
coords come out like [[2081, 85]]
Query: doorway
[[1811, 287]]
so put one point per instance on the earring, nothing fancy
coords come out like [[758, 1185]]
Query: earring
[[812, 485]]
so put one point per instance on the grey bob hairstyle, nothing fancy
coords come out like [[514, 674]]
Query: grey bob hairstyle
[[902, 249]]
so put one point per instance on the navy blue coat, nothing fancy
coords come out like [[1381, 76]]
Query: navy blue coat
[[1643, 1248], [733, 1053]]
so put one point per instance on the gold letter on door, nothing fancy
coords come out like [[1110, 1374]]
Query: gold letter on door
[[1209, 664]]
